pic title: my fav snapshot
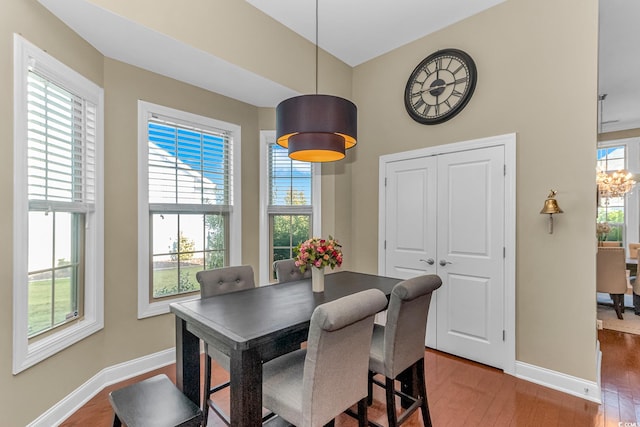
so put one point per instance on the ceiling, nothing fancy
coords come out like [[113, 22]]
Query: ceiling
[[619, 64], [354, 31]]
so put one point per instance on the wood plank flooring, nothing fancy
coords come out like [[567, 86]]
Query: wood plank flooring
[[463, 393]]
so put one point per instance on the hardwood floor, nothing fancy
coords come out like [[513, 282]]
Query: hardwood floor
[[464, 393]]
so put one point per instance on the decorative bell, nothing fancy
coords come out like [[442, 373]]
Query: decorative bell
[[551, 207]]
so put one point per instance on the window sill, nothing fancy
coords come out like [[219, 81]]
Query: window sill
[[31, 354], [150, 309]]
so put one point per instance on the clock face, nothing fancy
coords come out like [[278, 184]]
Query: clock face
[[440, 86]]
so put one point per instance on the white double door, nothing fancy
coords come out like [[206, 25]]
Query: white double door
[[444, 215]]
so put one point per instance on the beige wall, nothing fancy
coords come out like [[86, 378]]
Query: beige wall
[[124, 337], [62, 373], [537, 69], [538, 80], [243, 36], [124, 86]]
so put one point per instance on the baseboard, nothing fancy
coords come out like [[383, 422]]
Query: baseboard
[[62, 410], [575, 386]]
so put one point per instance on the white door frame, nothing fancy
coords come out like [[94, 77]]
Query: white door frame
[[508, 141]]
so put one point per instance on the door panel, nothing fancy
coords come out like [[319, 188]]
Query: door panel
[[468, 307], [410, 225], [471, 244], [410, 217]]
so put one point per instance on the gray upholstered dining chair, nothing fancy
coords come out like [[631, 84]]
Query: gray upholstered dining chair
[[399, 345], [286, 271], [217, 282], [310, 387]]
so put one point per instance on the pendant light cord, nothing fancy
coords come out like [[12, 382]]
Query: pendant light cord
[[316, 47], [601, 99]]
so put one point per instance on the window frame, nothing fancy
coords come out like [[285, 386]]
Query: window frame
[[147, 306], [631, 226], [26, 352], [269, 137]]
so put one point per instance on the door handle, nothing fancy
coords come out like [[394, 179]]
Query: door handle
[[444, 262], [429, 261]]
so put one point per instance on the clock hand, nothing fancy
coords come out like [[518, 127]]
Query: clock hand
[[430, 88]]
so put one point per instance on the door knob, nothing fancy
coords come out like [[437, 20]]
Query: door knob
[[429, 261], [443, 262]]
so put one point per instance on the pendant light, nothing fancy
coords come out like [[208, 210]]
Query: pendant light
[[316, 128]]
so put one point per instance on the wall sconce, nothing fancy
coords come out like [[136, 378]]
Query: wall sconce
[[551, 207]]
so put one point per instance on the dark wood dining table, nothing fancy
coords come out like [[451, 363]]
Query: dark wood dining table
[[632, 266], [253, 327]]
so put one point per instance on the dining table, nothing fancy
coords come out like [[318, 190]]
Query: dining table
[[252, 327], [632, 265]]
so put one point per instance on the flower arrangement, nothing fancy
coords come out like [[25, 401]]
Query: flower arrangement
[[602, 230], [319, 253]]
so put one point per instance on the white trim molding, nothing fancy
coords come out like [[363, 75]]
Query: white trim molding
[[575, 386], [26, 353], [508, 141], [269, 137], [62, 410], [146, 308]]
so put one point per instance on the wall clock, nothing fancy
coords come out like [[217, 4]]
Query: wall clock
[[440, 86]]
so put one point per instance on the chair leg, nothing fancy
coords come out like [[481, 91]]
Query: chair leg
[[370, 388], [422, 390], [363, 421], [391, 402], [618, 302], [206, 387]]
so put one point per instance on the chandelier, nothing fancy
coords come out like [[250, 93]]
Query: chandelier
[[614, 184]]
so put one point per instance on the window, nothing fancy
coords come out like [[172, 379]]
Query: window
[[58, 213], [189, 211], [290, 199], [612, 210]]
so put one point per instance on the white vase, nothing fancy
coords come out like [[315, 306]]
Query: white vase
[[317, 279]]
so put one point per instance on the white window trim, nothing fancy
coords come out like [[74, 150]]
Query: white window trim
[[269, 137], [632, 199], [147, 308], [27, 354]]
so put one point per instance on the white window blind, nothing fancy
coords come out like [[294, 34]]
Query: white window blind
[[290, 181], [188, 166], [61, 139]]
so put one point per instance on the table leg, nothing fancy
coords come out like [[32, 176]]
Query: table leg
[[187, 362], [246, 388]]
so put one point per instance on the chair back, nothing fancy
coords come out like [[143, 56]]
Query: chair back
[[406, 325], [225, 280], [337, 361], [611, 276], [286, 271], [633, 250]]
